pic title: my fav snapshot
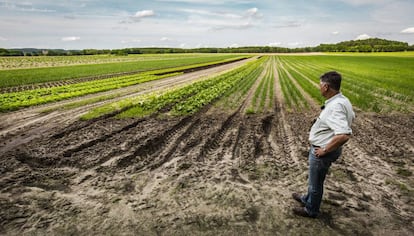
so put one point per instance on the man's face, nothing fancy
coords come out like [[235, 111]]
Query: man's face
[[323, 87]]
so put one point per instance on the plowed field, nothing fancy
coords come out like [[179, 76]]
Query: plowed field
[[216, 172]]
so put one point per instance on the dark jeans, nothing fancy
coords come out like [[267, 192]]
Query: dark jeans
[[318, 168]]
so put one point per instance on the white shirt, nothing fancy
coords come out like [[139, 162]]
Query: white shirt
[[336, 118]]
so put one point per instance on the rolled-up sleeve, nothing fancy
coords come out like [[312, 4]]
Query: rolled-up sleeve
[[338, 120]]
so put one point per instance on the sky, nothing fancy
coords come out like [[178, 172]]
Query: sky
[[110, 24]]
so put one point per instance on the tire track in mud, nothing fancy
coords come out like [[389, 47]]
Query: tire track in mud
[[215, 140], [243, 142], [189, 149], [393, 153], [358, 187], [393, 141], [224, 142], [167, 140], [207, 158], [149, 151], [284, 135], [84, 145]]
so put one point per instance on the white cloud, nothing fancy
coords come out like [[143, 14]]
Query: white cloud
[[3, 39], [335, 33], [144, 13], [408, 30], [139, 15], [362, 37], [69, 39]]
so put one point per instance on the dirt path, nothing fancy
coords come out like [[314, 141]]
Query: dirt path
[[218, 172]]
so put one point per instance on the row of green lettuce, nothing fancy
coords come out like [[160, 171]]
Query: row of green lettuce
[[17, 100], [185, 100]]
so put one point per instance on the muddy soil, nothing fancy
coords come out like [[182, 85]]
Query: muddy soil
[[218, 172], [210, 173]]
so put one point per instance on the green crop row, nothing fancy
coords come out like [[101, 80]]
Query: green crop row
[[272, 85], [206, 96], [372, 83], [14, 101], [293, 98], [234, 97], [307, 85], [264, 91], [268, 90], [181, 101], [350, 89], [16, 77]]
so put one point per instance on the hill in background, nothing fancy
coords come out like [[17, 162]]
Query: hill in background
[[366, 45]]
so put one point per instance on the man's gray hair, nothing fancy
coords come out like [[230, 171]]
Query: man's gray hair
[[333, 79]]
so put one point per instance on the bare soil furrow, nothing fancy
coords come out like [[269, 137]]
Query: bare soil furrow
[[174, 142], [216, 138], [153, 145], [96, 140]]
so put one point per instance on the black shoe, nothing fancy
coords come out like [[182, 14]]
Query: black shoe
[[298, 198], [301, 211]]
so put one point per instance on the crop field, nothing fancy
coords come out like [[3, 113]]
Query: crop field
[[200, 144]]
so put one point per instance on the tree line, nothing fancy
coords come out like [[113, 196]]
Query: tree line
[[367, 45]]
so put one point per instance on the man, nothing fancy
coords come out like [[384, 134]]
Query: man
[[331, 130]]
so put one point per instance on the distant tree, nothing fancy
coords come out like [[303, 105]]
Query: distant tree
[[4, 52]]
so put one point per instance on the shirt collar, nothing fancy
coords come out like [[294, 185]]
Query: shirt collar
[[333, 98]]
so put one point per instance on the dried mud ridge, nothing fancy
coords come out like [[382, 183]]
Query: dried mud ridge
[[211, 173]]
